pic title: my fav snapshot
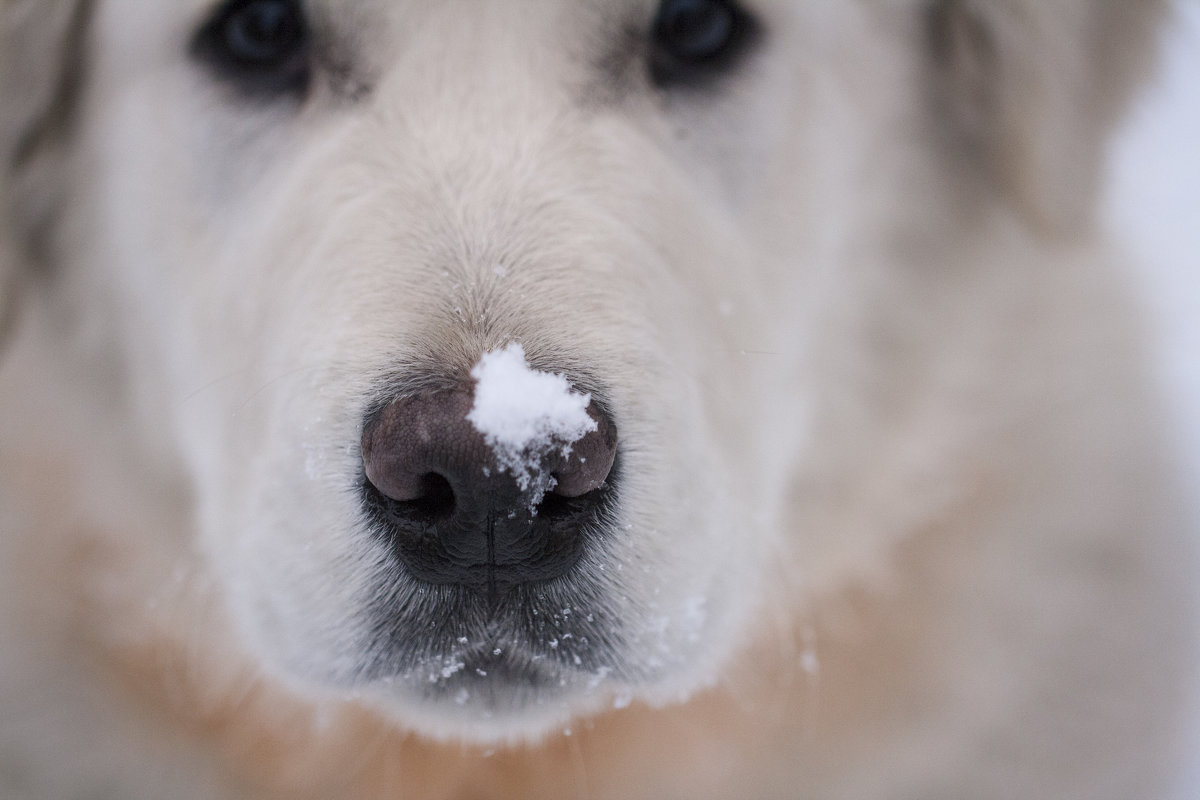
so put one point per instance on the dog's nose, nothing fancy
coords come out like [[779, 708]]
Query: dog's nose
[[455, 514]]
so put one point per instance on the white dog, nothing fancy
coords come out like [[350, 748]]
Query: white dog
[[607, 399]]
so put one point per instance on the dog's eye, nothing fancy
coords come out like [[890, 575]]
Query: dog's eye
[[262, 45], [695, 40]]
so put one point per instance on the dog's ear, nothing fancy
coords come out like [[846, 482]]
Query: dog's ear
[[1034, 87], [41, 72]]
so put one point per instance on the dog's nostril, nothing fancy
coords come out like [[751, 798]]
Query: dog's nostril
[[590, 460], [436, 498], [417, 448], [555, 506]]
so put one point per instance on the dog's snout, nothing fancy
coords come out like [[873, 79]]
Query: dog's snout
[[454, 514]]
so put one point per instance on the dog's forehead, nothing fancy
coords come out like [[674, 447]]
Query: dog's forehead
[[139, 16], [528, 20], [583, 40], [396, 17], [370, 39]]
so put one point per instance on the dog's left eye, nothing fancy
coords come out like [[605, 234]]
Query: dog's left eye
[[694, 40], [261, 45]]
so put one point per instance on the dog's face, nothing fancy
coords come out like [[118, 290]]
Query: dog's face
[[302, 216]]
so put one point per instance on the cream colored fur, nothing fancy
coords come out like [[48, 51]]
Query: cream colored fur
[[895, 520]]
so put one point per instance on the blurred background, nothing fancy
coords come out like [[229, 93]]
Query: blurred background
[[1153, 204]]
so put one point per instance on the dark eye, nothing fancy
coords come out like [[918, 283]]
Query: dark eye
[[696, 40], [261, 45]]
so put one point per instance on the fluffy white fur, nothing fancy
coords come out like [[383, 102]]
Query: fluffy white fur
[[894, 517]]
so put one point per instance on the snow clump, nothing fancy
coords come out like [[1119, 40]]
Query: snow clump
[[523, 413]]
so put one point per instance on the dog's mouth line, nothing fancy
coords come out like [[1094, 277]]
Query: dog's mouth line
[[507, 650]]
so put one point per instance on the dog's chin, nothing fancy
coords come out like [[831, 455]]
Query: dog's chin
[[450, 662], [484, 665], [487, 699]]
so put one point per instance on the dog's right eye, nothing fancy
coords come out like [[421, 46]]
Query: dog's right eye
[[262, 46], [696, 40]]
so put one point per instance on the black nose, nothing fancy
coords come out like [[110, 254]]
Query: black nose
[[454, 514]]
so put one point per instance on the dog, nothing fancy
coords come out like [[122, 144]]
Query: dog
[[838, 470]]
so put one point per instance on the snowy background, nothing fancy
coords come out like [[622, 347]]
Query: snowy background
[[1154, 206]]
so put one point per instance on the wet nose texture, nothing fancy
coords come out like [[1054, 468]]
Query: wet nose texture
[[435, 492]]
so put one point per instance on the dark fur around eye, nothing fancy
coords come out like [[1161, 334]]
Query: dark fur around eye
[[261, 47], [697, 41]]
